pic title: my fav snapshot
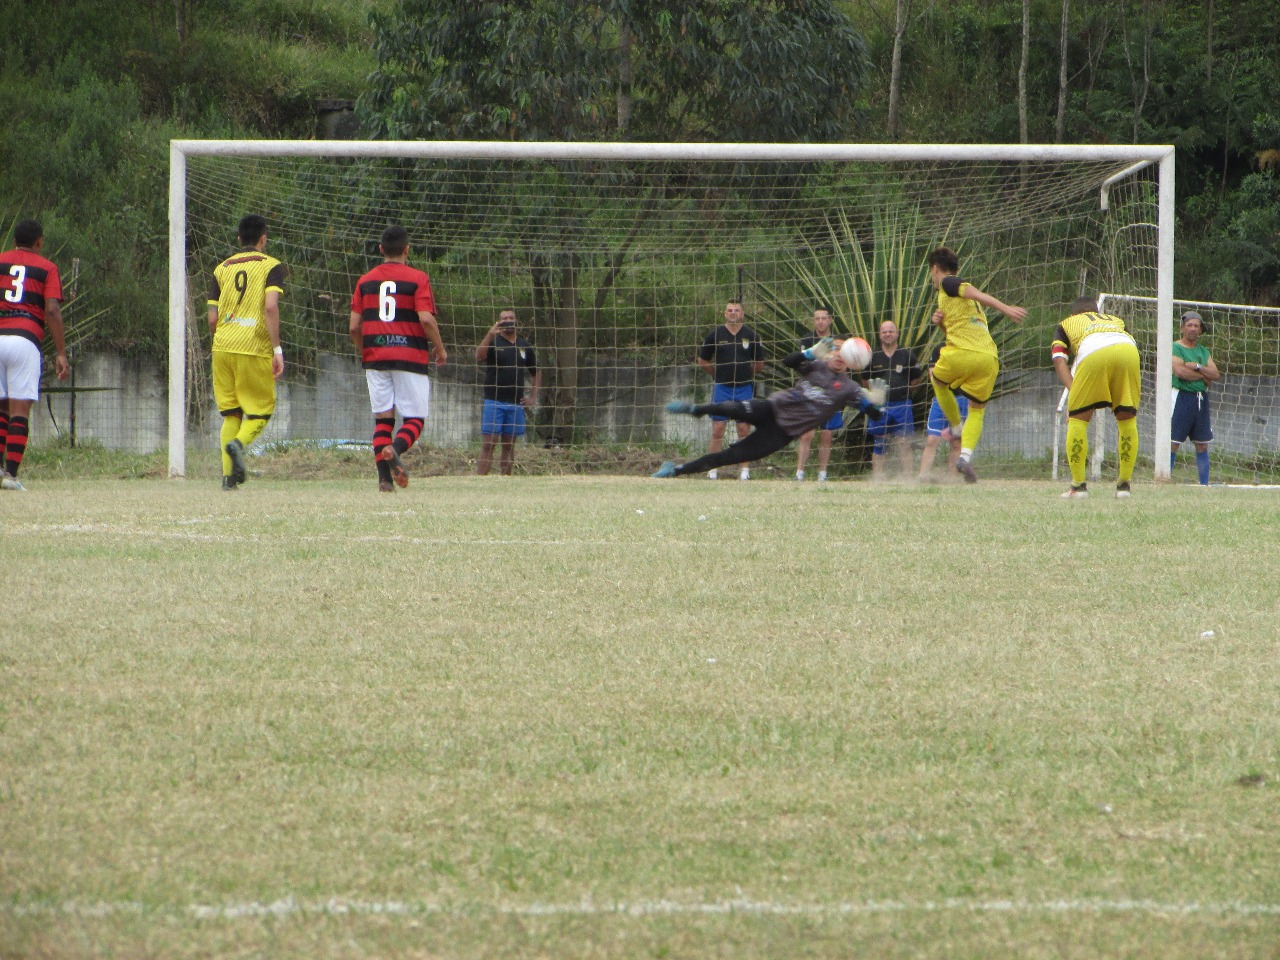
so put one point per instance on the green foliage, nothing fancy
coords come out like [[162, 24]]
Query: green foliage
[[94, 96], [667, 70], [866, 274]]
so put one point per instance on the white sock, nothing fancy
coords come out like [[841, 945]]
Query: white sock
[[745, 475], [799, 474], [822, 476], [711, 475]]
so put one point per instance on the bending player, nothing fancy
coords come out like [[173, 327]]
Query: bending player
[[1105, 374], [824, 388]]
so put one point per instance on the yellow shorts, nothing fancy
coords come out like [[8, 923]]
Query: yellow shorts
[[969, 373], [1109, 377], [245, 383]]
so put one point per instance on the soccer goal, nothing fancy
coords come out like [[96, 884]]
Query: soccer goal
[[1244, 341], [619, 258]]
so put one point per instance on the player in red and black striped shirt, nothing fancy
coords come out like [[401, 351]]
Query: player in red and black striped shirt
[[29, 308], [393, 326]]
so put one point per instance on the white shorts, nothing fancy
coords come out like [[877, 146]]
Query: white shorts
[[19, 368], [409, 394]]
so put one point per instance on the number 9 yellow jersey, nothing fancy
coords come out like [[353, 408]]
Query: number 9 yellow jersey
[[239, 291]]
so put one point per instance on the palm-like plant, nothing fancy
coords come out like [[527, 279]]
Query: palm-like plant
[[864, 277]]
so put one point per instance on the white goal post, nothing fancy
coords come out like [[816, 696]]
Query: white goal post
[[1115, 166]]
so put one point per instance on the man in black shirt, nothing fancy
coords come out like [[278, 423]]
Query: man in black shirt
[[897, 367], [507, 358], [732, 355]]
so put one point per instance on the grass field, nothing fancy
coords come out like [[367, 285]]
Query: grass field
[[605, 717]]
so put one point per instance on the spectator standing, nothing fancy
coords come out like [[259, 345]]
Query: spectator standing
[[508, 359], [1193, 371], [898, 368], [732, 355]]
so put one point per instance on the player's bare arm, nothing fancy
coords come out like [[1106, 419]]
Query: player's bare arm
[[482, 350], [53, 323], [1063, 370], [432, 329], [1208, 372], [355, 330], [1016, 314], [531, 398], [271, 316]]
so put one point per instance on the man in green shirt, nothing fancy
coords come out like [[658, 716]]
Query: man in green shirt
[[1193, 371]]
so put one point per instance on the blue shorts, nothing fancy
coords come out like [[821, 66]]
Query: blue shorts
[[1190, 417], [723, 392], [937, 419], [898, 421], [502, 419]]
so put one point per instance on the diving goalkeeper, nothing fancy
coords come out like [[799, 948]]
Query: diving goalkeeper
[[823, 388]]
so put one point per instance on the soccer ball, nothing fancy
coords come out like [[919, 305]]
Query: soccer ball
[[856, 353]]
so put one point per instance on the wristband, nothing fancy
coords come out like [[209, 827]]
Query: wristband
[[279, 351]]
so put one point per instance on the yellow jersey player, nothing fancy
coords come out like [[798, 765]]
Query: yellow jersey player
[[1105, 373], [969, 362], [244, 318]]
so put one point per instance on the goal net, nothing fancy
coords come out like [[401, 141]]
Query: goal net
[[1244, 341], [619, 258]]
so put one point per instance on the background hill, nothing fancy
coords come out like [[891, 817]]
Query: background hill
[[95, 90]]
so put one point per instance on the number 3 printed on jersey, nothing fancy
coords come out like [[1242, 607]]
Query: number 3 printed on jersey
[[19, 274], [387, 301]]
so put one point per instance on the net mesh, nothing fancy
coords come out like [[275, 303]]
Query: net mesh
[[617, 270], [1244, 341]]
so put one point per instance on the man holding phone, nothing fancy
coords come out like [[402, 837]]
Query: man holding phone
[[507, 358]]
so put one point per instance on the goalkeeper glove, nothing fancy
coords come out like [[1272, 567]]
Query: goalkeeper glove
[[819, 349], [877, 391], [870, 410]]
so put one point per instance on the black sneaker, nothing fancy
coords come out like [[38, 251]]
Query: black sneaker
[[235, 450], [966, 470], [1122, 491], [228, 483], [1076, 493]]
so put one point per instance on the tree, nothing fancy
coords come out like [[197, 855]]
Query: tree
[[660, 70], [1060, 127], [1024, 56], [901, 15]]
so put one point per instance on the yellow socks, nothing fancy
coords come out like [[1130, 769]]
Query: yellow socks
[[972, 432], [1127, 447], [1078, 449]]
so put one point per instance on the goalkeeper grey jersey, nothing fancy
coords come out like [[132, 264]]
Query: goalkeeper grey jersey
[[814, 398]]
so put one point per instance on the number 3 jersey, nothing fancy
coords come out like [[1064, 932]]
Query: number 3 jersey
[[389, 298], [27, 280], [239, 291]]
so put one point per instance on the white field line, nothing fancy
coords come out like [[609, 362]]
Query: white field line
[[127, 530], [291, 907]]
